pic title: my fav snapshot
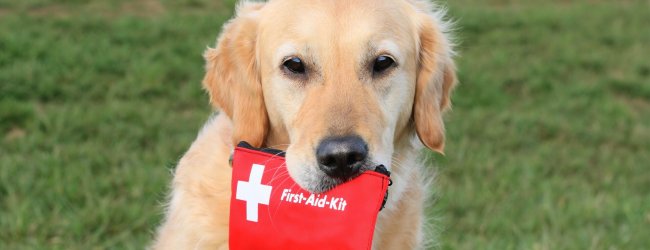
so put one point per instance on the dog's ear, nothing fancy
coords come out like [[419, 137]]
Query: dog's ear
[[232, 77], [436, 77]]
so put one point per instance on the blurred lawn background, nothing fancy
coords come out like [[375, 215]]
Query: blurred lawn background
[[548, 142]]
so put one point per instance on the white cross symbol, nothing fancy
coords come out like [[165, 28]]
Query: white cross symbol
[[253, 192]]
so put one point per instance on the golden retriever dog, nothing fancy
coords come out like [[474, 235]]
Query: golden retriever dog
[[342, 86]]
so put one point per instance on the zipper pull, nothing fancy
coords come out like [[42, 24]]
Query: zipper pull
[[382, 170]]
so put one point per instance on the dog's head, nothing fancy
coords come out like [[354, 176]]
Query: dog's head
[[340, 83]]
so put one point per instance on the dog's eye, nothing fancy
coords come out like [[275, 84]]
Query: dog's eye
[[382, 63], [294, 65]]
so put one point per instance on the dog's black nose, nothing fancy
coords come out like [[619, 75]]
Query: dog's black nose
[[341, 157]]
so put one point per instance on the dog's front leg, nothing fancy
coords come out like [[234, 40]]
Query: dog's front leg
[[197, 215], [401, 224], [193, 225]]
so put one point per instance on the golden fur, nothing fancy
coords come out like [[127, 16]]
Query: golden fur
[[338, 96]]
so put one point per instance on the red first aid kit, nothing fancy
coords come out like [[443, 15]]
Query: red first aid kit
[[268, 210]]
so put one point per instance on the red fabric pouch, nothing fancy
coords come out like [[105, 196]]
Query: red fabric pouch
[[268, 210]]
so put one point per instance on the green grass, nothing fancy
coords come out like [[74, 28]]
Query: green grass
[[548, 143]]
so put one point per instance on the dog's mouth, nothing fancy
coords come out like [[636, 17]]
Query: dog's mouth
[[333, 161], [321, 176], [314, 180]]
